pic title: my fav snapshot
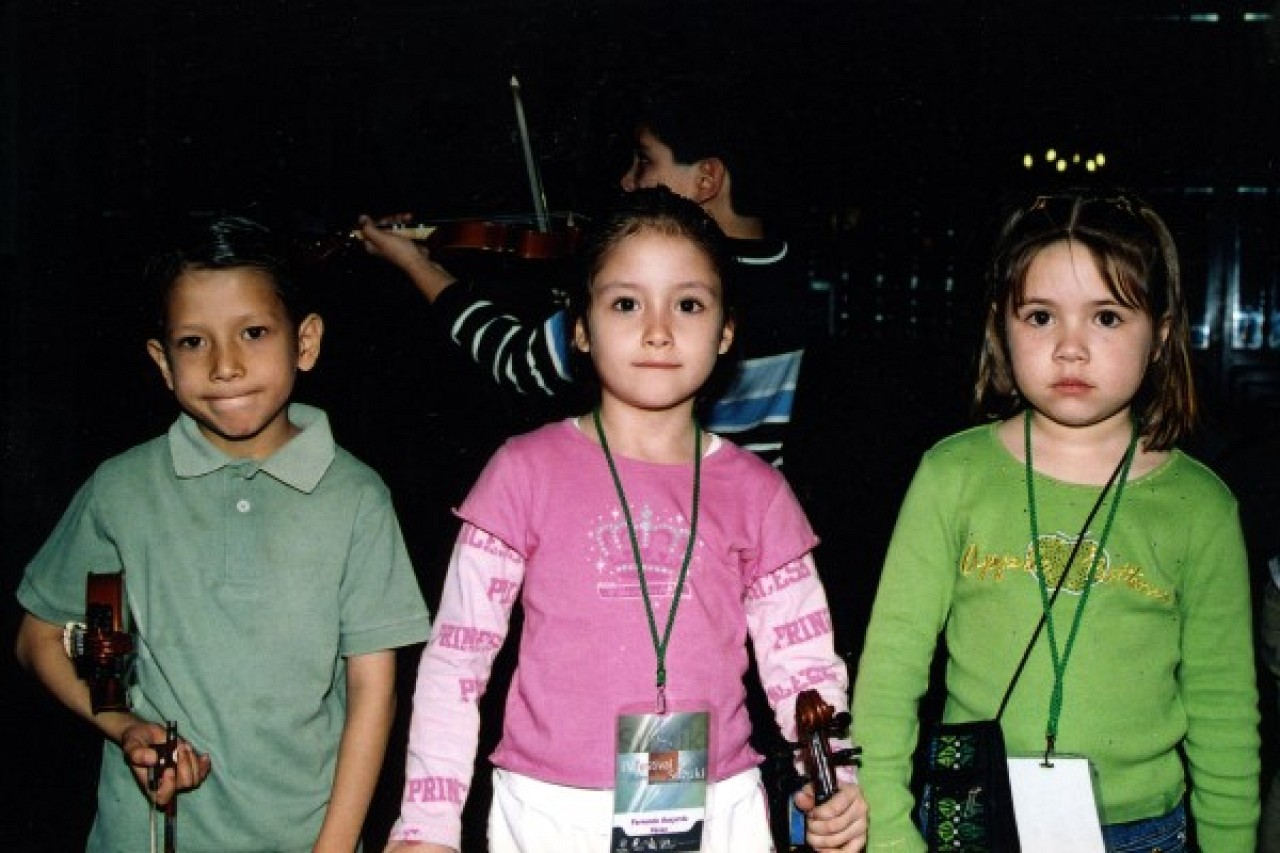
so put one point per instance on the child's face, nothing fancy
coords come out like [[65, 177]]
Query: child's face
[[653, 164], [230, 355], [1078, 355], [656, 323]]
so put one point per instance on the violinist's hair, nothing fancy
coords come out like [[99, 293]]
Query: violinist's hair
[[224, 242], [661, 211], [699, 119], [1135, 254]]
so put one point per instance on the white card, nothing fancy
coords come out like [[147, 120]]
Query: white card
[[1054, 806]]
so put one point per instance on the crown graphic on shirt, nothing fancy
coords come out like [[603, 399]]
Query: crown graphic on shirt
[[662, 542]]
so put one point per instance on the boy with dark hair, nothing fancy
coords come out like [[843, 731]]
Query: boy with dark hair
[[686, 137], [266, 578]]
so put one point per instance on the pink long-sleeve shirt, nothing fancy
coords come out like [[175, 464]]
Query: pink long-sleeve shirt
[[544, 523]]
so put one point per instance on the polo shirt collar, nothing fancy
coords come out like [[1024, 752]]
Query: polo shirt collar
[[300, 464]]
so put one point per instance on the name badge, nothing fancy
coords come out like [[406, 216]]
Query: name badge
[[660, 785], [1054, 805]]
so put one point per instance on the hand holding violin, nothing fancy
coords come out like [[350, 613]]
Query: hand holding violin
[[839, 824], [381, 238], [835, 812], [186, 770]]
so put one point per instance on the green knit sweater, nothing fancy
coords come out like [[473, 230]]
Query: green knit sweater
[[1163, 658]]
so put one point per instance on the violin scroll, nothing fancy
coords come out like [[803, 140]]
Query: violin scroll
[[816, 723]]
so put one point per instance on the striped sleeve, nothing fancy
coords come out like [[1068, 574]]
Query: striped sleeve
[[530, 359]]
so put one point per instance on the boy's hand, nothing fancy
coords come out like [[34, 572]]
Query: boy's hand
[[411, 258], [385, 242], [189, 767], [839, 824]]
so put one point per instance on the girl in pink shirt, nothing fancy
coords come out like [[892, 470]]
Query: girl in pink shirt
[[644, 552]]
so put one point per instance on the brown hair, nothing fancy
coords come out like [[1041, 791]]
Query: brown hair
[[658, 210], [1136, 256]]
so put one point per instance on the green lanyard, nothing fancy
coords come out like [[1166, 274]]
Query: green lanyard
[[659, 645], [1060, 660]]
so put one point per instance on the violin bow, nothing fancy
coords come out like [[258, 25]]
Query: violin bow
[[166, 756], [535, 179]]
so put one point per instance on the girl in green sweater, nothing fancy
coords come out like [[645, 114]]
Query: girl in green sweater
[[1146, 657]]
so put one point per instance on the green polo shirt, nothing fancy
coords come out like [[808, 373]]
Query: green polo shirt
[[249, 582]]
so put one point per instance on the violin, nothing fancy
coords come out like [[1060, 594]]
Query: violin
[[101, 646], [816, 724], [514, 236], [541, 236]]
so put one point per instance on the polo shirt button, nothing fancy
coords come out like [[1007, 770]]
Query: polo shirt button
[[243, 505]]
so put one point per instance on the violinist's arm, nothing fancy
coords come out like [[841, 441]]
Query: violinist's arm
[[39, 650], [527, 358], [775, 601], [412, 258]]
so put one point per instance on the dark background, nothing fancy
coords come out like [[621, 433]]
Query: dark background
[[894, 130]]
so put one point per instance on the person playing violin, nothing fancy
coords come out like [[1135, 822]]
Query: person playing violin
[[689, 137], [266, 575]]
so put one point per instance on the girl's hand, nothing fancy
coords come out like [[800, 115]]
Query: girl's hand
[[189, 767], [416, 847], [839, 824]]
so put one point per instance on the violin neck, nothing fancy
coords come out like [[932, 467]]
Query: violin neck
[[823, 770], [417, 233]]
